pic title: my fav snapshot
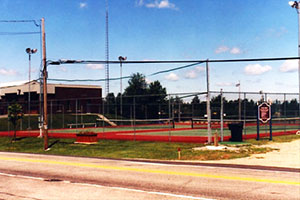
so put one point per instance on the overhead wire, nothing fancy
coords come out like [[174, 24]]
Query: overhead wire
[[18, 33], [195, 62], [127, 77]]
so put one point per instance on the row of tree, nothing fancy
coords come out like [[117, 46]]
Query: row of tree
[[141, 100]]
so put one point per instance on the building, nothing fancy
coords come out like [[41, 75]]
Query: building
[[62, 98]]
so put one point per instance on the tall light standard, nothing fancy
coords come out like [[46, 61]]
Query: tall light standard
[[121, 59], [29, 51], [296, 5]]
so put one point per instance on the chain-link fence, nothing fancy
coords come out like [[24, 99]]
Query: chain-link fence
[[172, 114]]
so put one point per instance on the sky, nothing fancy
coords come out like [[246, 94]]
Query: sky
[[148, 30]]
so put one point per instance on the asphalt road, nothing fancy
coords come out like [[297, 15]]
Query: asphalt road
[[28, 176]]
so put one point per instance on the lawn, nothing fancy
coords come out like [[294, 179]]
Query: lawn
[[134, 149]]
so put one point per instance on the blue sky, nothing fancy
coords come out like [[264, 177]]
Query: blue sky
[[157, 30]]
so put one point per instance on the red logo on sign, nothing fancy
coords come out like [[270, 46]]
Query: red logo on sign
[[264, 112]]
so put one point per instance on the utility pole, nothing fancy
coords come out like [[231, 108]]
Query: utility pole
[[45, 122]]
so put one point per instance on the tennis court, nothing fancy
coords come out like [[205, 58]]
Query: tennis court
[[168, 130]]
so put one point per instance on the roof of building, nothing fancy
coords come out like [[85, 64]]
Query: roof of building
[[21, 87]]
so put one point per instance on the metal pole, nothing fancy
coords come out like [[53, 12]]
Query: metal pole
[[222, 117], [29, 72], [240, 105], [298, 12], [45, 127], [208, 110], [121, 101], [245, 132]]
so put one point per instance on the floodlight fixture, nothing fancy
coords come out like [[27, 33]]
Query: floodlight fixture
[[121, 58], [294, 4], [30, 51]]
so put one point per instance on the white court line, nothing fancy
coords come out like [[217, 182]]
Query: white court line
[[115, 188]]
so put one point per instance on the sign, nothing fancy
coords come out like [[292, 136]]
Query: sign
[[264, 112]]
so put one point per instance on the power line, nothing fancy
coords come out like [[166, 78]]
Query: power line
[[125, 77], [87, 80], [65, 61], [196, 62], [18, 33], [21, 21]]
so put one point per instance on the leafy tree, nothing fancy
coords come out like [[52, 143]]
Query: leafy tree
[[15, 113], [195, 100], [157, 98], [145, 97], [111, 102], [136, 85]]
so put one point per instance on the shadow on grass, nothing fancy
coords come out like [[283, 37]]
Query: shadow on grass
[[53, 143]]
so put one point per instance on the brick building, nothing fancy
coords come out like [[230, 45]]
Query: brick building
[[62, 98]]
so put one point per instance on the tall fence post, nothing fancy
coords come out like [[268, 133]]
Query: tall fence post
[[76, 120], [134, 125], [245, 109], [222, 116], [284, 111], [51, 114], [208, 109], [170, 117]]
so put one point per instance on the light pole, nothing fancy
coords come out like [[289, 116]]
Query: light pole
[[296, 5], [29, 51], [121, 59]]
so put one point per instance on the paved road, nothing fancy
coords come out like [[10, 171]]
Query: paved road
[[28, 176]]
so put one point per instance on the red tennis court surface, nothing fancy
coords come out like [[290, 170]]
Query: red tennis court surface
[[131, 135]]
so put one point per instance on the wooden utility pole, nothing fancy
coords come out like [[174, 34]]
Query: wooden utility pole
[[45, 122]]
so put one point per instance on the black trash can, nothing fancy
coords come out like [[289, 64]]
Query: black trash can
[[236, 132]]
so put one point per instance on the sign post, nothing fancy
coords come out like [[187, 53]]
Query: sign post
[[264, 115]]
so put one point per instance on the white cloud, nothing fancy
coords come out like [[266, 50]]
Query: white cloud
[[235, 50], [64, 69], [224, 84], [200, 69], [224, 49], [8, 72], [160, 4], [95, 66], [257, 69], [82, 5], [289, 66], [148, 81], [192, 74], [172, 77], [221, 49]]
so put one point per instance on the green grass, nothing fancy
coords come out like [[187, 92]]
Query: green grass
[[282, 138], [129, 149]]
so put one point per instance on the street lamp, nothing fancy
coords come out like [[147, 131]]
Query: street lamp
[[296, 5], [29, 51], [121, 59]]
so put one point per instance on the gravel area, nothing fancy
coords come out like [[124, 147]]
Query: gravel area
[[286, 155]]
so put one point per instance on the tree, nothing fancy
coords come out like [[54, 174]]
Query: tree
[[143, 98], [111, 102], [156, 99], [136, 85], [15, 113], [195, 100]]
